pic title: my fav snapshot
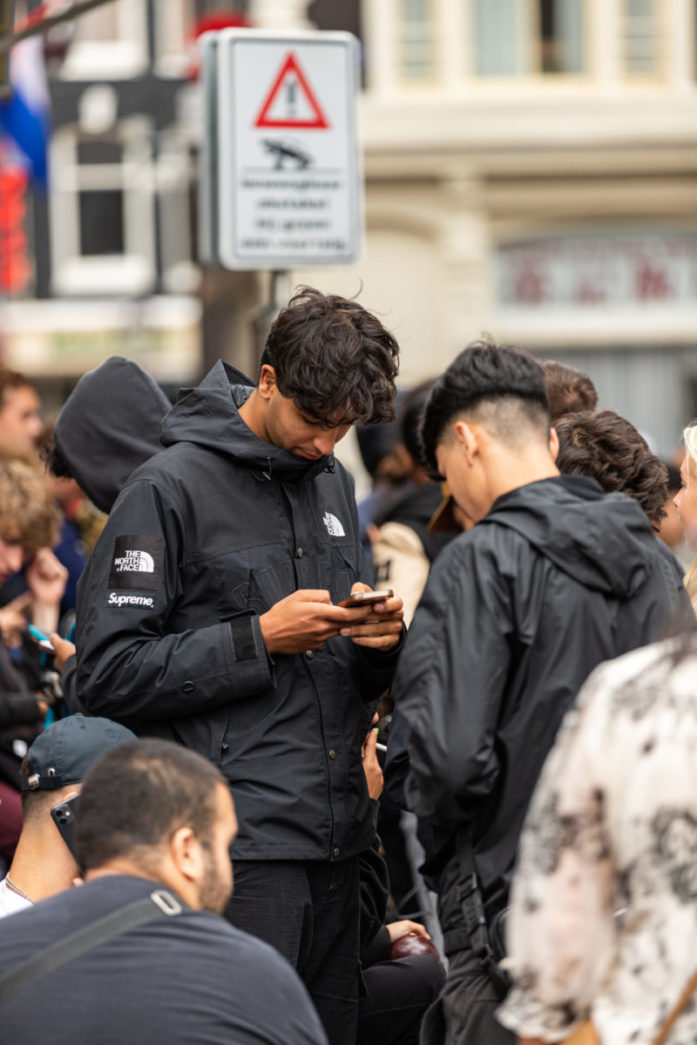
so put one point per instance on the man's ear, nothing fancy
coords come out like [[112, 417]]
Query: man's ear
[[186, 853], [267, 381], [553, 443], [467, 439]]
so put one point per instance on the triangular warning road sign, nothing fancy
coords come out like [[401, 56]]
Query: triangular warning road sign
[[291, 101]]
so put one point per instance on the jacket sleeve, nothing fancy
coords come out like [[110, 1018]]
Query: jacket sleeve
[[450, 685], [19, 709], [129, 665]]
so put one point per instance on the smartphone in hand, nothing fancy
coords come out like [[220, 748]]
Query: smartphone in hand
[[42, 641], [365, 598]]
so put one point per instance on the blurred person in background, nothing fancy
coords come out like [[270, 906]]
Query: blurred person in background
[[671, 530], [685, 501], [28, 525], [378, 447], [569, 390], [603, 915], [403, 545], [400, 968], [70, 549], [52, 772], [20, 417], [609, 449]]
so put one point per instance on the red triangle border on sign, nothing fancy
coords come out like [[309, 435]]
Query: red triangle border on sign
[[320, 122]]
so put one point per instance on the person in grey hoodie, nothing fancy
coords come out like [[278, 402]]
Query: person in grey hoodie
[[555, 577], [208, 615]]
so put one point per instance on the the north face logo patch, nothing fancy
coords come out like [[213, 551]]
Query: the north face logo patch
[[334, 526], [136, 561]]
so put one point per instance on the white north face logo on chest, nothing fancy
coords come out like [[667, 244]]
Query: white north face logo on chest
[[334, 526]]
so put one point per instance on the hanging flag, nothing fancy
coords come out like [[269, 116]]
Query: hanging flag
[[24, 118]]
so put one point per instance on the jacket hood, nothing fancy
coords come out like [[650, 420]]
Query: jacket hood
[[208, 416], [599, 539], [109, 425]]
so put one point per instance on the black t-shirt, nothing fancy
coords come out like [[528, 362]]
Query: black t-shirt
[[188, 979]]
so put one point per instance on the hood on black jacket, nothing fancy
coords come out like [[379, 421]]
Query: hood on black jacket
[[598, 539], [109, 425], [208, 416]]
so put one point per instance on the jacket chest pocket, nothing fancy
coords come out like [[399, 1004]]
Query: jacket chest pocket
[[270, 581], [254, 579], [338, 570]]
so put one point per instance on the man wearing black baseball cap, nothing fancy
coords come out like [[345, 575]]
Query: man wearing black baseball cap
[[52, 771]]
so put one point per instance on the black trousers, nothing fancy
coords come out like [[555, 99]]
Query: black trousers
[[309, 912], [397, 995]]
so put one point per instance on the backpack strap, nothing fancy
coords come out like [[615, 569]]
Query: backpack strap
[[159, 904]]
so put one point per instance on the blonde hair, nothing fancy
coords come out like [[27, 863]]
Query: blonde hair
[[28, 512]]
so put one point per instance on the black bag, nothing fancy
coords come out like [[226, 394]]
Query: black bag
[[488, 941]]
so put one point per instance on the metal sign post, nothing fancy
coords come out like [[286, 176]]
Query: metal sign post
[[208, 225], [290, 186], [6, 26]]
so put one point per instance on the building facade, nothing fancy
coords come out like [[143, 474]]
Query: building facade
[[531, 172]]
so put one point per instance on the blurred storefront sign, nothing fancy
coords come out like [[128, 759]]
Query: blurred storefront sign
[[64, 339], [15, 264], [599, 272]]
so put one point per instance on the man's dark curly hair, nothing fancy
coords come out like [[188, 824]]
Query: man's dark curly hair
[[609, 448], [334, 359], [510, 382], [570, 390]]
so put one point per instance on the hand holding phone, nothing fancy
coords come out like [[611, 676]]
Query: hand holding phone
[[42, 641]]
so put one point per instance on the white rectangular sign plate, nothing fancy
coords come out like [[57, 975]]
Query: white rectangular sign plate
[[290, 180]]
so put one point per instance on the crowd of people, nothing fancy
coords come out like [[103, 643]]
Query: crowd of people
[[280, 768]]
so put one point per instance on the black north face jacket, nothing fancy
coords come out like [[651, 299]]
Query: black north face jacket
[[516, 613], [206, 536]]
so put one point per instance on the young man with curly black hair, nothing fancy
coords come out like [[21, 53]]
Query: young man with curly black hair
[[208, 615], [555, 577]]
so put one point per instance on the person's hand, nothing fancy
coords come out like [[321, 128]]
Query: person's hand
[[305, 620], [382, 628], [371, 766], [398, 930], [46, 577], [63, 648], [13, 620]]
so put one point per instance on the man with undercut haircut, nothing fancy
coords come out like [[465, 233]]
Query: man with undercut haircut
[[208, 615], [555, 577]]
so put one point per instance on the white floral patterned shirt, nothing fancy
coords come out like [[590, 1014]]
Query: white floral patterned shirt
[[603, 916]]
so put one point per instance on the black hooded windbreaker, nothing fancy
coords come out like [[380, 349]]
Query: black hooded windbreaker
[[206, 536], [516, 613]]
